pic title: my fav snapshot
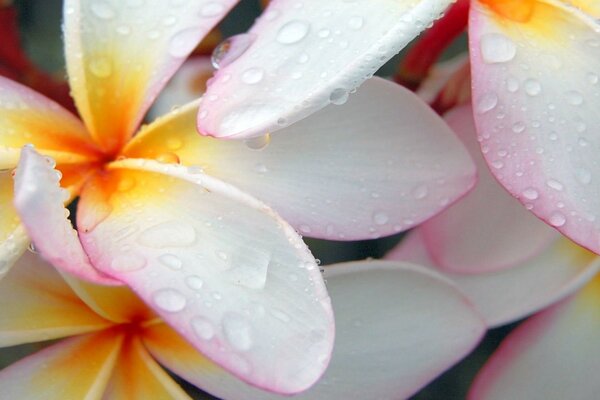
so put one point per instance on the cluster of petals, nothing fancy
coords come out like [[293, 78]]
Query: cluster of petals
[[205, 231]]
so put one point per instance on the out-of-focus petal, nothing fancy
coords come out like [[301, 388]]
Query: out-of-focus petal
[[13, 239], [38, 305], [216, 264], [509, 295], [188, 84], [30, 118], [399, 326], [304, 58], [120, 54], [590, 7], [554, 355], [137, 376], [39, 202], [488, 229], [376, 166], [76, 368], [536, 90]]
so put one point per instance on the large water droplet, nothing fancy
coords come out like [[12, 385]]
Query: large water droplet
[[497, 48], [169, 300], [203, 328], [231, 49], [339, 96], [293, 32], [253, 75], [238, 332]]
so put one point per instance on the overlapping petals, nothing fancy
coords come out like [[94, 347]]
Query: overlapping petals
[[302, 57], [536, 88], [378, 165], [120, 55], [385, 314], [553, 355]]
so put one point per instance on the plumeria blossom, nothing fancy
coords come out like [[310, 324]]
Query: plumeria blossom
[[509, 263], [394, 336], [154, 210]]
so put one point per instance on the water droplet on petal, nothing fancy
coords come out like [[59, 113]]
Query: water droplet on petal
[[356, 22], [100, 67], [259, 142], [557, 219], [238, 332], [380, 218], [530, 194], [169, 300], [252, 76], [231, 49], [194, 282], [203, 328], [497, 48], [339, 96], [532, 87], [293, 32], [102, 10], [171, 261], [487, 102], [127, 262], [168, 234]]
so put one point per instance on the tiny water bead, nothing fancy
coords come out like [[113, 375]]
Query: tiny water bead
[[230, 50]]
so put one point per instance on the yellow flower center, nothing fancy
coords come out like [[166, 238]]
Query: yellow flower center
[[515, 10]]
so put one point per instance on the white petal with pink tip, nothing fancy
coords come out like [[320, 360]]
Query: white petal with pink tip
[[306, 55], [219, 266]]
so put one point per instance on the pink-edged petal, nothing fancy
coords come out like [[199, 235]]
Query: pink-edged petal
[[536, 90], [39, 202], [76, 368], [13, 239], [39, 305], [120, 54], [509, 295], [188, 84], [137, 376], [219, 266], [305, 57], [496, 231], [398, 327], [554, 355], [379, 165]]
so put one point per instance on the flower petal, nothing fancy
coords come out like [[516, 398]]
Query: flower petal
[[304, 58], [39, 202], [42, 307], [537, 90], [137, 376], [76, 368], [378, 165], [13, 239], [120, 54], [496, 231], [509, 295], [385, 312], [217, 265], [554, 355], [30, 118]]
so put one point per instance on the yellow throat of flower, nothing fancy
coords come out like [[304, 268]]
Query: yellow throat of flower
[[515, 10]]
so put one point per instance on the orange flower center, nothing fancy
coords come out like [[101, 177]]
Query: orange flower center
[[515, 10]]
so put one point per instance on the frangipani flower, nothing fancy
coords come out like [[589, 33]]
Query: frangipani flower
[[507, 262], [155, 212], [399, 326]]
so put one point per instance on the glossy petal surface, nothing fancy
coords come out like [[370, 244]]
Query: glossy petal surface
[[39, 202], [217, 265], [30, 118], [137, 376], [49, 374], [376, 166], [509, 295], [304, 56], [536, 90], [39, 306], [496, 231], [120, 54], [385, 313], [553, 355]]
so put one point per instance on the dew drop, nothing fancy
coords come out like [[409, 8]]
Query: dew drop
[[554, 184], [171, 261], [530, 194], [238, 332], [487, 102], [293, 32], [338, 96], [169, 300], [100, 67], [203, 328], [259, 142], [497, 48], [231, 49], [127, 262], [380, 218], [557, 219], [583, 175], [532, 87], [194, 282], [253, 75], [102, 10], [356, 22], [574, 98]]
